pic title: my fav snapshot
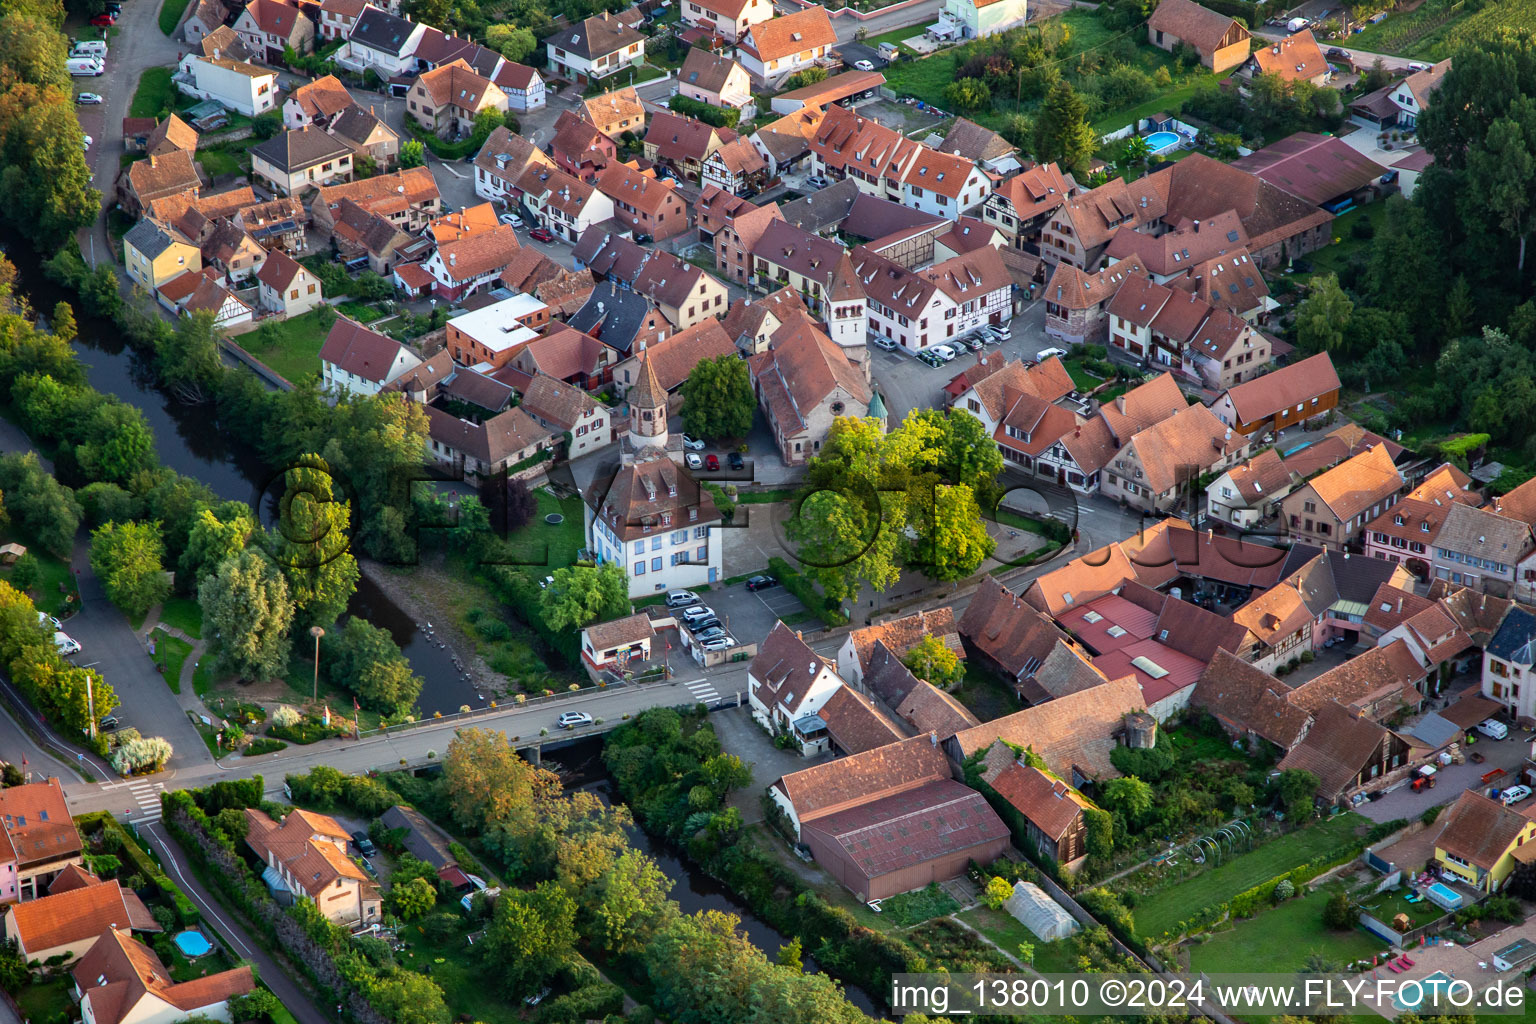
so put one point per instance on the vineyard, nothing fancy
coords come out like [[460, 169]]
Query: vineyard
[[1435, 29]]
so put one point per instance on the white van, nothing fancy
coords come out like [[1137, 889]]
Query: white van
[[85, 67], [1493, 728], [90, 48]]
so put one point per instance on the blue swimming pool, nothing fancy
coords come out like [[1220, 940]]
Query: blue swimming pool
[[192, 943], [1444, 895], [1432, 985], [1162, 142]]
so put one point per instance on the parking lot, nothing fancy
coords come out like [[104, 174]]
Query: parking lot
[[749, 616]]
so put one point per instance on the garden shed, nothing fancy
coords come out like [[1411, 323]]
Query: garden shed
[[1039, 913]]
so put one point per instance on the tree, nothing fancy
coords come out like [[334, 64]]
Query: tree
[[997, 892], [246, 606], [1378, 77], [631, 902], [412, 153], [141, 755], [531, 937], [1296, 788], [791, 955], [521, 504], [388, 686], [38, 503], [188, 360], [1137, 151], [26, 572], [725, 772], [581, 595], [932, 661], [312, 543], [486, 121], [717, 398], [967, 94], [1322, 318], [405, 997], [952, 539], [108, 503], [1128, 796], [1062, 131], [412, 899], [365, 659], [1339, 913], [117, 442], [513, 43], [64, 327], [1100, 836], [126, 558], [217, 534], [260, 1004], [813, 75], [487, 782], [1027, 949]]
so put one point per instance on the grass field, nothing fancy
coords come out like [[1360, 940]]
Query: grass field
[[1331, 259], [170, 15], [1280, 939], [292, 346], [542, 546], [170, 654], [1007, 931], [1385, 906], [184, 614], [219, 160], [1160, 911], [896, 35], [987, 696], [55, 591], [911, 908], [46, 1002], [154, 94]]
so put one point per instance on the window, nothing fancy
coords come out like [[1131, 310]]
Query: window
[[656, 564], [639, 568], [655, 543], [703, 553], [639, 547]]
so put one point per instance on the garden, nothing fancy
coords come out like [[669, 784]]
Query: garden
[[1290, 936]]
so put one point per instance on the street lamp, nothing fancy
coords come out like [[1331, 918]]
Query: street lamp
[[317, 633]]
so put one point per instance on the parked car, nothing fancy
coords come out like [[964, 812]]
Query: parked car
[[693, 444], [693, 460], [1514, 794], [710, 633], [104, 20], [697, 614], [816, 181], [723, 643], [542, 235], [1046, 353], [682, 599], [1002, 332], [864, 65], [1334, 53], [974, 341], [711, 461], [705, 624], [363, 843], [736, 461], [1416, 66], [88, 142], [44, 619], [944, 352], [881, 341], [511, 220], [65, 643], [109, 723], [761, 582], [89, 99], [1493, 728], [575, 719]]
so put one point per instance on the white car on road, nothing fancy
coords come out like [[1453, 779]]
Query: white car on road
[[575, 719], [66, 644]]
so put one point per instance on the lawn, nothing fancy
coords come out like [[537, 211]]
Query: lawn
[[1331, 259], [55, 591], [170, 15], [1387, 905], [542, 546], [911, 908], [1280, 939], [765, 497], [362, 312], [203, 676], [46, 1002], [219, 161], [469, 989], [896, 35], [154, 94], [1008, 931], [185, 614], [292, 346], [170, 654], [1161, 911], [1081, 378]]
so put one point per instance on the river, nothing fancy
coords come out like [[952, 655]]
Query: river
[[187, 442]]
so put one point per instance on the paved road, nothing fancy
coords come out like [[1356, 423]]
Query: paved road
[[917, 15], [1362, 59]]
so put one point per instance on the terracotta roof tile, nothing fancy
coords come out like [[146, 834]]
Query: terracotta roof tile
[[869, 775], [899, 830], [789, 34], [1295, 58], [854, 722], [1049, 804], [72, 916], [1248, 698], [323, 97], [631, 629], [615, 112], [930, 710], [1072, 733], [1481, 830]]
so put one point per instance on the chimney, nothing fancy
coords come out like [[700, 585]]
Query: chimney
[[1197, 227], [933, 737], [453, 259]]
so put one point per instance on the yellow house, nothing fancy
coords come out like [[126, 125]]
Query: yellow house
[[155, 254], [1483, 841]]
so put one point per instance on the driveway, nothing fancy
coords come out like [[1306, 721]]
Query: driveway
[[1403, 802], [750, 616]]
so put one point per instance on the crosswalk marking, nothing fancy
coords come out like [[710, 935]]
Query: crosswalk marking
[[147, 795], [702, 691]]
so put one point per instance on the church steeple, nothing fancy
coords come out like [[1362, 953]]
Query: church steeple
[[647, 408]]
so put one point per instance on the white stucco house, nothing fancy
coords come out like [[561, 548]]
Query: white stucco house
[[242, 87], [976, 19]]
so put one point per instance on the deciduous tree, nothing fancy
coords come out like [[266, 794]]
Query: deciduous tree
[[247, 608], [1322, 318], [717, 398], [581, 595], [532, 935], [1129, 796], [312, 542], [126, 558], [217, 534]]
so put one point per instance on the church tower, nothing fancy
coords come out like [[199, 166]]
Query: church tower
[[647, 410]]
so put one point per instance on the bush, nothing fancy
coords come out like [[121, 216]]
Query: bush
[[1339, 913], [805, 590], [286, 716], [1284, 890], [141, 755], [720, 117], [263, 745]]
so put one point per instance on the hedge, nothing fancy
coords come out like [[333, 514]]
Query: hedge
[[815, 602], [720, 117], [143, 863]]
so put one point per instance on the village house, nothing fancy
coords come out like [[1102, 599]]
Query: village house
[[617, 642], [171, 135], [977, 19], [154, 254], [899, 636], [1231, 281], [316, 101], [651, 516], [786, 143], [361, 362], [1284, 397], [487, 338], [580, 149], [947, 300], [988, 389], [727, 19], [338, 17], [1219, 40], [231, 250], [241, 87], [560, 408], [447, 99], [201, 292], [615, 112], [484, 450], [1345, 752], [1412, 95], [1408, 531], [465, 266], [1482, 841], [804, 383], [733, 227], [122, 981], [522, 85], [649, 206], [774, 49], [294, 162], [751, 323], [69, 922], [852, 724], [306, 855], [1331, 509], [685, 294], [368, 136], [1054, 444], [621, 319], [1508, 663], [563, 204], [943, 185], [1322, 169], [408, 199], [207, 17], [995, 154], [1005, 634], [286, 287], [1077, 303], [1157, 465], [267, 27], [1020, 204], [921, 826], [815, 267], [41, 838], [1250, 702], [569, 356], [787, 683], [382, 41], [847, 146], [715, 79], [682, 143], [501, 162], [738, 167], [1480, 549], [1294, 58], [222, 42], [595, 48]]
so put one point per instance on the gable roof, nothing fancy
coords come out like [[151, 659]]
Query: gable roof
[[1380, 672], [802, 369], [672, 359], [595, 37], [854, 722], [457, 84], [789, 34], [864, 776], [379, 30], [639, 188], [970, 140], [1336, 749], [278, 270], [163, 174], [361, 352], [1318, 168], [1480, 829], [901, 634], [1485, 534], [1352, 486], [1168, 450], [1075, 732], [556, 401], [479, 254], [613, 108], [274, 17], [1250, 699], [75, 915], [1049, 804], [1144, 406], [1072, 288], [423, 839], [1295, 58], [707, 71], [1198, 26], [930, 710], [322, 98], [904, 828], [294, 151], [1035, 191], [37, 822], [117, 973], [784, 668]]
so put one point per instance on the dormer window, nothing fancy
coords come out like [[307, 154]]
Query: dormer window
[[1398, 520]]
